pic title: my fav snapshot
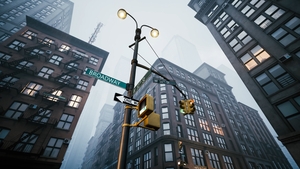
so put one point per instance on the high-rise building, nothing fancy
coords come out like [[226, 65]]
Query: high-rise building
[[43, 90], [56, 13], [219, 134], [105, 119], [261, 39]]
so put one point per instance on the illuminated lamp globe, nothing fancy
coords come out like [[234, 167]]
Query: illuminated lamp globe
[[122, 13], [154, 33]]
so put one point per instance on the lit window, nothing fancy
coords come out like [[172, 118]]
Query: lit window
[[255, 56], [65, 121], [53, 147], [32, 89], [203, 124], [16, 110], [47, 41], [64, 48], [45, 72], [74, 101], [55, 95], [217, 129], [29, 34], [16, 45], [26, 143], [55, 59]]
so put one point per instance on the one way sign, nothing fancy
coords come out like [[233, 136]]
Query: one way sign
[[124, 99]]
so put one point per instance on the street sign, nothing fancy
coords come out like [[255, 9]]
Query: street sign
[[164, 81], [142, 81], [105, 78], [124, 99]]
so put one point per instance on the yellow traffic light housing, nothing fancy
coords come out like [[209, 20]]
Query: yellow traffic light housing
[[145, 106], [152, 121], [183, 106], [191, 106]]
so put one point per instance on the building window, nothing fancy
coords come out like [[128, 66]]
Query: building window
[[244, 149], [147, 139], [137, 163], [221, 142], [290, 111], [175, 101], [208, 139], [177, 115], [197, 157], [163, 98], [179, 131], [164, 113], [29, 34], [55, 59], [138, 144], [129, 149], [203, 124], [138, 132], [93, 61], [217, 129], [82, 84], [74, 101], [214, 160], [32, 89], [64, 79], [199, 110], [229, 28], [248, 10], [211, 115], [147, 160], [78, 54], [269, 16], [284, 35], [255, 56], [4, 37], [26, 143], [48, 41], [64, 48], [206, 101], [192, 134], [168, 152], [3, 133], [4, 56], [16, 45], [16, 110], [162, 87], [36, 52], [45, 72], [65, 121], [273, 79], [220, 19], [55, 95], [72, 66], [166, 128], [189, 120], [42, 116], [53, 147], [24, 65], [8, 81], [228, 162]]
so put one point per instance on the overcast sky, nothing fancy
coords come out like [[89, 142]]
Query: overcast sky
[[170, 17]]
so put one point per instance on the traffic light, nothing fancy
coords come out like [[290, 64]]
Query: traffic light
[[183, 106], [179, 145], [191, 106], [152, 121], [145, 106]]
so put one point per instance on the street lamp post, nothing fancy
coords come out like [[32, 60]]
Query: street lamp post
[[127, 114]]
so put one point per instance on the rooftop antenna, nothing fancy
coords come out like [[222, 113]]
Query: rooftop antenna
[[94, 35]]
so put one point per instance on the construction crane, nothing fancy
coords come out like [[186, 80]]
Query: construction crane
[[94, 35]]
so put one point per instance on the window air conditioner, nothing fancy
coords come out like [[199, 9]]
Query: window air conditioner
[[66, 141], [285, 57], [48, 52]]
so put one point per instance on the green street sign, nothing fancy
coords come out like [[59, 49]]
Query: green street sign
[[105, 78]]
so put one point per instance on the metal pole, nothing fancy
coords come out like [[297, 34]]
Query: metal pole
[[127, 114]]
